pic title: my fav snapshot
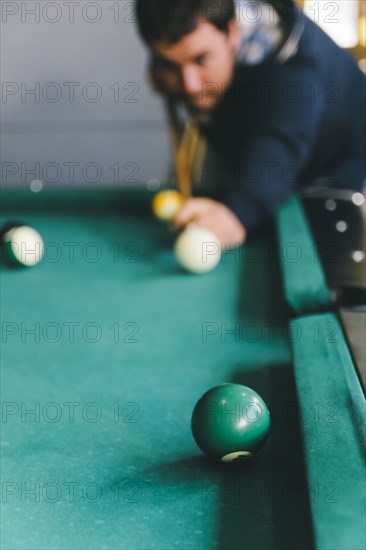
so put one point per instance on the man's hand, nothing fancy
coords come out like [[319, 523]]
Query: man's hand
[[212, 215]]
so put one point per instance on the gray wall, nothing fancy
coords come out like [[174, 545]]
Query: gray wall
[[123, 128]]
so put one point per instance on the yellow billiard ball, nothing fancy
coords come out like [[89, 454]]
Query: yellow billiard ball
[[166, 205]]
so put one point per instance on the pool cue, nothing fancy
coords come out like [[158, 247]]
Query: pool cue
[[184, 149], [197, 161], [175, 138], [190, 145]]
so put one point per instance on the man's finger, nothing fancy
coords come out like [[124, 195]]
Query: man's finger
[[191, 210]]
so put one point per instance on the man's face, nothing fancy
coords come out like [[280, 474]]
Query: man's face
[[197, 69]]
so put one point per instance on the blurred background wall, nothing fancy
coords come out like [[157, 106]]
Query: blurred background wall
[[76, 108]]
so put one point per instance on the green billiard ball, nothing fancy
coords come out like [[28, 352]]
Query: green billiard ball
[[21, 244], [230, 422]]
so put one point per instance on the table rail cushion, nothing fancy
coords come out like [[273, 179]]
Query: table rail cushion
[[332, 413], [305, 285]]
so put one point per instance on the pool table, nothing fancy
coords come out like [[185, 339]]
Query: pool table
[[107, 345]]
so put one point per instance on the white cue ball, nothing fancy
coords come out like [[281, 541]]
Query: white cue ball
[[198, 250], [24, 245]]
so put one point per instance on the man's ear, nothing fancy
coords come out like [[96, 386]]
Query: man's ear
[[234, 35], [156, 78]]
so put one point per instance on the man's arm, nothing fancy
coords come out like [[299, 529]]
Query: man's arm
[[283, 145]]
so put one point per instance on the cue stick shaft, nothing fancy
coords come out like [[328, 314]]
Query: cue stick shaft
[[175, 141], [184, 149]]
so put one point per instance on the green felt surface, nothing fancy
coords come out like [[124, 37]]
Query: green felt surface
[[136, 479], [304, 281], [333, 413]]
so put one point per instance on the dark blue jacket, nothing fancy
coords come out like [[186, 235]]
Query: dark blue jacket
[[285, 124]]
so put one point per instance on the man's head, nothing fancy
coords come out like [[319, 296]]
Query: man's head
[[193, 45]]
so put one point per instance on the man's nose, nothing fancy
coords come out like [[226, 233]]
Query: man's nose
[[191, 79]]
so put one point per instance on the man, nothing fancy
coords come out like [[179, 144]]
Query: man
[[279, 103]]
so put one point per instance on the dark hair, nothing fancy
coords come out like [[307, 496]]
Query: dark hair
[[170, 20]]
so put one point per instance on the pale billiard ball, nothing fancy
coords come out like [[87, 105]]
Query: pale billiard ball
[[197, 249], [166, 205], [22, 245], [230, 423]]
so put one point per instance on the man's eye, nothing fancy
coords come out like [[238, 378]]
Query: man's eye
[[200, 60]]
